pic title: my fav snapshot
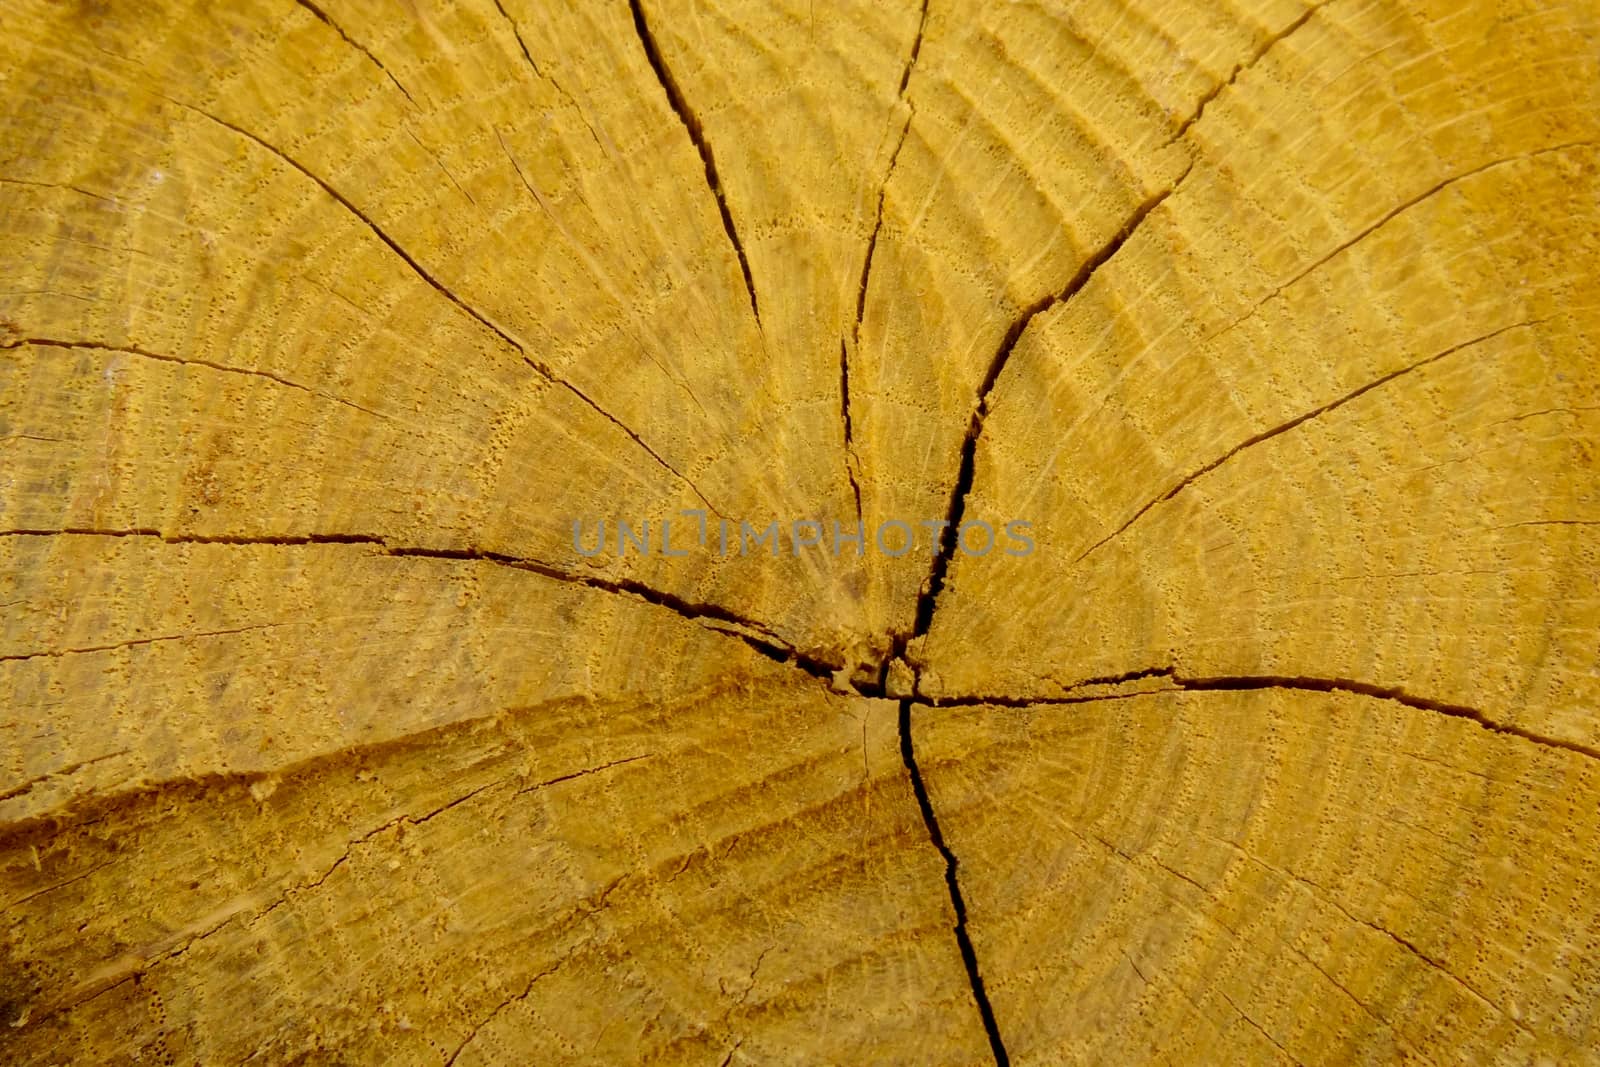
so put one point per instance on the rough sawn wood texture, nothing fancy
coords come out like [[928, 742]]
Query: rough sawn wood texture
[[320, 323]]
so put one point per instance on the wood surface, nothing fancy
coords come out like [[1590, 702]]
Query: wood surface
[[322, 323]]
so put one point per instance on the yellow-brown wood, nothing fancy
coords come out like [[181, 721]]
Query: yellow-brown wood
[[322, 324]]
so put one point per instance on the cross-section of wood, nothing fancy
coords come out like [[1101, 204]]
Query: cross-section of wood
[[1272, 877], [801, 531]]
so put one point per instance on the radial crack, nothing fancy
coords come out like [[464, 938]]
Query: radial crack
[[353, 43], [54, 185], [852, 462], [569, 776], [1204, 683], [28, 786], [1389, 216], [636, 439], [691, 123], [1241, 67], [442, 168], [929, 595], [52, 888], [134, 350], [1284, 427], [56, 653], [1257, 1027], [996, 700], [969, 955], [539, 199], [713, 617], [422, 273], [1394, 693], [849, 433], [377, 231], [516, 31], [502, 1006]]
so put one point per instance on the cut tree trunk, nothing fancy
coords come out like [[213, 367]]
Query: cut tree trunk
[[333, 334]]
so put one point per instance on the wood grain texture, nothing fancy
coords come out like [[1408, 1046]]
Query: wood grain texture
[[321, 323]]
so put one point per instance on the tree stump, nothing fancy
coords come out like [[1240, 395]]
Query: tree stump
[[793, 532]]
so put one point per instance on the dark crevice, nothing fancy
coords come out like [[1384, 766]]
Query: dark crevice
[[849, 435], [1394, 693], [200, 539], [1000, 701], [751, 632], [1284, 427], [969, 955], [353, 43], [1067, 695], [691, 123], [1119, 679], [712, 616], [516, 32], [929, 594], [916, 49], [1239, 68], [1249, 682]]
